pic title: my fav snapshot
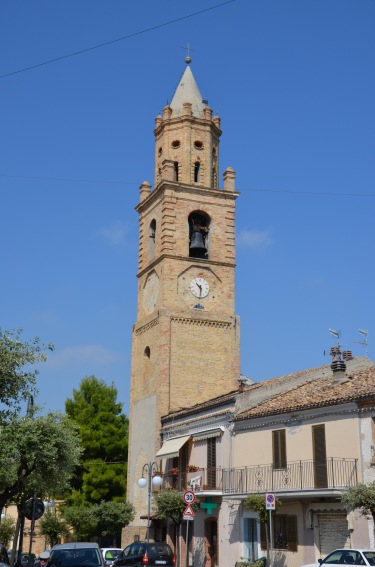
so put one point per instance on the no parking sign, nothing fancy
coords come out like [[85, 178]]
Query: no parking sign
[[270, 501]]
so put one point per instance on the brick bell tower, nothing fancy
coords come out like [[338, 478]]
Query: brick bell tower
[[185, 345]]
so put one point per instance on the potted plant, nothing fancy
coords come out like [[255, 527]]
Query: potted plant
[[174, 471], [192, 468]]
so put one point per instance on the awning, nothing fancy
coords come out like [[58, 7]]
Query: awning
[[207, 434], [171, 448]]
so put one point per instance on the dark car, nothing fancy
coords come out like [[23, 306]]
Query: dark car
[[76, 554], [4, 557], [143, 553]]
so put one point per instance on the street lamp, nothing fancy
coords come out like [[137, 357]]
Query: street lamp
[[153, 479]]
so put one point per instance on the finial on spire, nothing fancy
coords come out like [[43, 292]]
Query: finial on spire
[[188, 58]]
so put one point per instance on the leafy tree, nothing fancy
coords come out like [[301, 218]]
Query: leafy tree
[[170, 504], [361, 496], [16, 383], [38, 456], [103, 429], [112, 517], [53, 527], [257, 503], [7, 530], [82, 520]]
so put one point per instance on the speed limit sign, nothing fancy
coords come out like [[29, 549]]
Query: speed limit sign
[[189, 497]]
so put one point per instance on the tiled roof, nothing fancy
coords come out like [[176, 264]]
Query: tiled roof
[[325, 390], [230, 396]]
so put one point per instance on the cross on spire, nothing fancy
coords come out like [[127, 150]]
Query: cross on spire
[[188, 58]]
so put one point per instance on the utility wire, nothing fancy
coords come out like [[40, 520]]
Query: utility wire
[[242, 190], [98, 46]]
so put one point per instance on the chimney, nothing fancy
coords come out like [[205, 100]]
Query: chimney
[[347, 355]]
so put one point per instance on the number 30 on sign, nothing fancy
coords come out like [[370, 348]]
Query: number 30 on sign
[[189, 497]]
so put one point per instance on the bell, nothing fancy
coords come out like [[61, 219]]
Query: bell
[[197, 242]]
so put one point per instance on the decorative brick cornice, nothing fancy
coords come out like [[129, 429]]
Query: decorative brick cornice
[[147, 326], [201, 323]]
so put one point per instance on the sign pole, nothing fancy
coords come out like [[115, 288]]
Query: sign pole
[[187, 543], [271, 539]]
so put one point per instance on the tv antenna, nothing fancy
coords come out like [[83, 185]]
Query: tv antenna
[[336, 334], [364, 342]]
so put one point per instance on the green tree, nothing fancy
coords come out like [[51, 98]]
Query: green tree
[[170, 504], [39, 455], [81, 519], [7, 530], [17, 383], [53, 527], [361, 496], [103, 429], [112, 517], [257, 503]]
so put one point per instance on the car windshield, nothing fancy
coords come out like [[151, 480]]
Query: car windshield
[[344, 557], [75, 558], [160, 549], [370, 556]]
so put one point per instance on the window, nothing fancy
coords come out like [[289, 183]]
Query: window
[[197, 167], [211, 462], [152, 236], [320, 456], [284, 530], [175, 165], [250, 539], [279, 449], [198, 234]]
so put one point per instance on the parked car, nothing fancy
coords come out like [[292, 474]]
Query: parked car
[[345, 557], [143, 553], [76, 554], [4, 557], [110, 554]]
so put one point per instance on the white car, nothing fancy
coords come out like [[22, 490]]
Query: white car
[[345, 557], [110, 554]]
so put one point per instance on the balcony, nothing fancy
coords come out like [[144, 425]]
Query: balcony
[[199, 480], [296, 476]]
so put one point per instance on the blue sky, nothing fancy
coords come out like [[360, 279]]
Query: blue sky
[[294, 84]]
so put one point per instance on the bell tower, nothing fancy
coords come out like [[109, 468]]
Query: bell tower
[[185, 344]]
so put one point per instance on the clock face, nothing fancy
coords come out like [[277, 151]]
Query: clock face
[[199, 287]]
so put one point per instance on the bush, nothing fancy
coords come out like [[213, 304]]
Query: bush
[[246, 563]]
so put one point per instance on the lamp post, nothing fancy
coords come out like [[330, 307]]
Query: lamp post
[[153, 479]]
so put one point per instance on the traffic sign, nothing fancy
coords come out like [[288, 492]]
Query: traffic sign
[[189, 497], [270, 501], [34, 509], [188, 513]]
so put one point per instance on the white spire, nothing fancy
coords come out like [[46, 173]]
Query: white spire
[[187, 91]]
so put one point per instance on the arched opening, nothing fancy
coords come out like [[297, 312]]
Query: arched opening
[[147, 352], [175, 165], [152, 237], [198, 234], [197, 168]]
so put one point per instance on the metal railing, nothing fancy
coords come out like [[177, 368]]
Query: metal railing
[[197, 480], [297, 475]]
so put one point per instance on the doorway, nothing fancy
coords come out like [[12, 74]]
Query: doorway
[[211, 545]]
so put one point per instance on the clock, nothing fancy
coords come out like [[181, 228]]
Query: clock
[[199, 287]]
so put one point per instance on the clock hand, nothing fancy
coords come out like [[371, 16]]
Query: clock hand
[[200, 290]]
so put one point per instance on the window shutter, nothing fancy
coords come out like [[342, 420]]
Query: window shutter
[[279, 449], [292, 533], [263, 538], [211, 462], [320, 456]]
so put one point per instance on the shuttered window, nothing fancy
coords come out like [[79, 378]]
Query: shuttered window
[[320, 456], [211, 462], [284, 532], [279, 449]]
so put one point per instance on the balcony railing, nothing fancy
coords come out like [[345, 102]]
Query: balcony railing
[[201, 479], [299, 475]]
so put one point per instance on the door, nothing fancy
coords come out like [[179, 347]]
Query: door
[[333, 533], [211, 547]]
